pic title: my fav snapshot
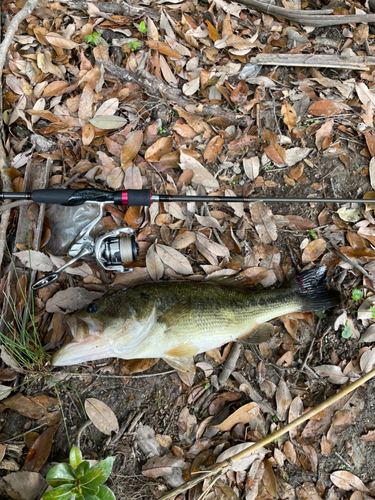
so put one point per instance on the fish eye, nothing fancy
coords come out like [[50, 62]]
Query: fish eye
[[91, 308]]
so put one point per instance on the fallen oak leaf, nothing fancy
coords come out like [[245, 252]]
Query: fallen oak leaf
[[289, 115], [328, 108], [243, 415], [347, 481], [101, 416], [106, 122]]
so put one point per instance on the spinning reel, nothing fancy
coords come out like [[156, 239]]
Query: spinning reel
[[110, 249]]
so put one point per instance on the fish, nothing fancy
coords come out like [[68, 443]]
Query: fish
[[176, 320]]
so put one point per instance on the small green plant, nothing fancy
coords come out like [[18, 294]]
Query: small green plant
[[78, 480], [206, 385], [268, 166], [142, 27], [161, 130], [277, 440], [134, 45], [347, 332], [276, 419], [313, 234], [235, 108], [357, 294], [373, 311], [93, 38]]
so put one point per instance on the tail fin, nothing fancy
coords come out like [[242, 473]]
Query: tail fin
[[310, 286]]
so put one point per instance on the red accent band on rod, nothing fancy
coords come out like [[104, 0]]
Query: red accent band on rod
[[124, 198]]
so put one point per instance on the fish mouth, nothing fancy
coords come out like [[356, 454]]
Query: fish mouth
[[87, 345]]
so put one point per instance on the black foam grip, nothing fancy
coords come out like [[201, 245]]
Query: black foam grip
[[52, 196], [139, 197]]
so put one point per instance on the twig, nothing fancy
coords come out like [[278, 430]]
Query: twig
[[7, 183], [226, 464], [306, 17], [314, 61], [22, 435], [311, 344], [157, 88], [14, 204], [343, 461], [354, 264], [99, 375], [79, 433]]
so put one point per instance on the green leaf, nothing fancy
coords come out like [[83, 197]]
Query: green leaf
[[142, 27], [60, 493], [373, 311], [75, 457], [88, 489], [61, 474], [347, 332], [82, 469], [98, 474], [320, 314], [357, 293], [312, 234], [105, 493]]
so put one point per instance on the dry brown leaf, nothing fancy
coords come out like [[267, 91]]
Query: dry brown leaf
[[264, 222], [251, 167], [213, 148], [328, 108], [269, 479], [183, 240], [174, 259], [88, 134], [37, 261], [58, 41], [289, 115], [133, 178], [243, 415], [160, 466], [160, 148], [245, 462], [163, 48], [201, 174], [154, 263], [108, 108], [369, 437], [130, 148], [240, 93], [360, 34], [307, 492], [115, 178], [70, 300], [323, 133], [290, 452], [313, 250], [212, 247], [333, 372], [85, 104], [283, 400], [53, 88], [101, 416], [347, 481], [256, 274], [40, 450], [130, 366]]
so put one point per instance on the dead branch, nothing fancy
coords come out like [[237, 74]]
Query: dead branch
[[7, 183], [122, 8], [315, 61], [305, 17], [157, 88], [226, 464]]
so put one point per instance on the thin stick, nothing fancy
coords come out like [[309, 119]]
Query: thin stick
[[354, 264], [99, 375], [226, 464]]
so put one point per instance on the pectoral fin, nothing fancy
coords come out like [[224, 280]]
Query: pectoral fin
[[181, 357], [261, 333], [175, 314]]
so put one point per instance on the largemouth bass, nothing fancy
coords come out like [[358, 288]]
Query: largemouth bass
[[175, 320]]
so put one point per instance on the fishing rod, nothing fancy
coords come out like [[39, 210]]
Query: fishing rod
[[144, 198], [112, 249]]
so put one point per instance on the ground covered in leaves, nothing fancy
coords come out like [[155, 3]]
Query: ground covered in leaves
[[82, 108]]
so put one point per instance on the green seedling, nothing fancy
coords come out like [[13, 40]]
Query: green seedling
[[357, 294], [79, 480], [206, 385], [373, 311], [313, 234], [161, 130], [268, 166], [347, 332], [235, 108], [142, 27], [93, 38], [134, 45]]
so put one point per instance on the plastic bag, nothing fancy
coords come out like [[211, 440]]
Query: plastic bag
[[66, 223]]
